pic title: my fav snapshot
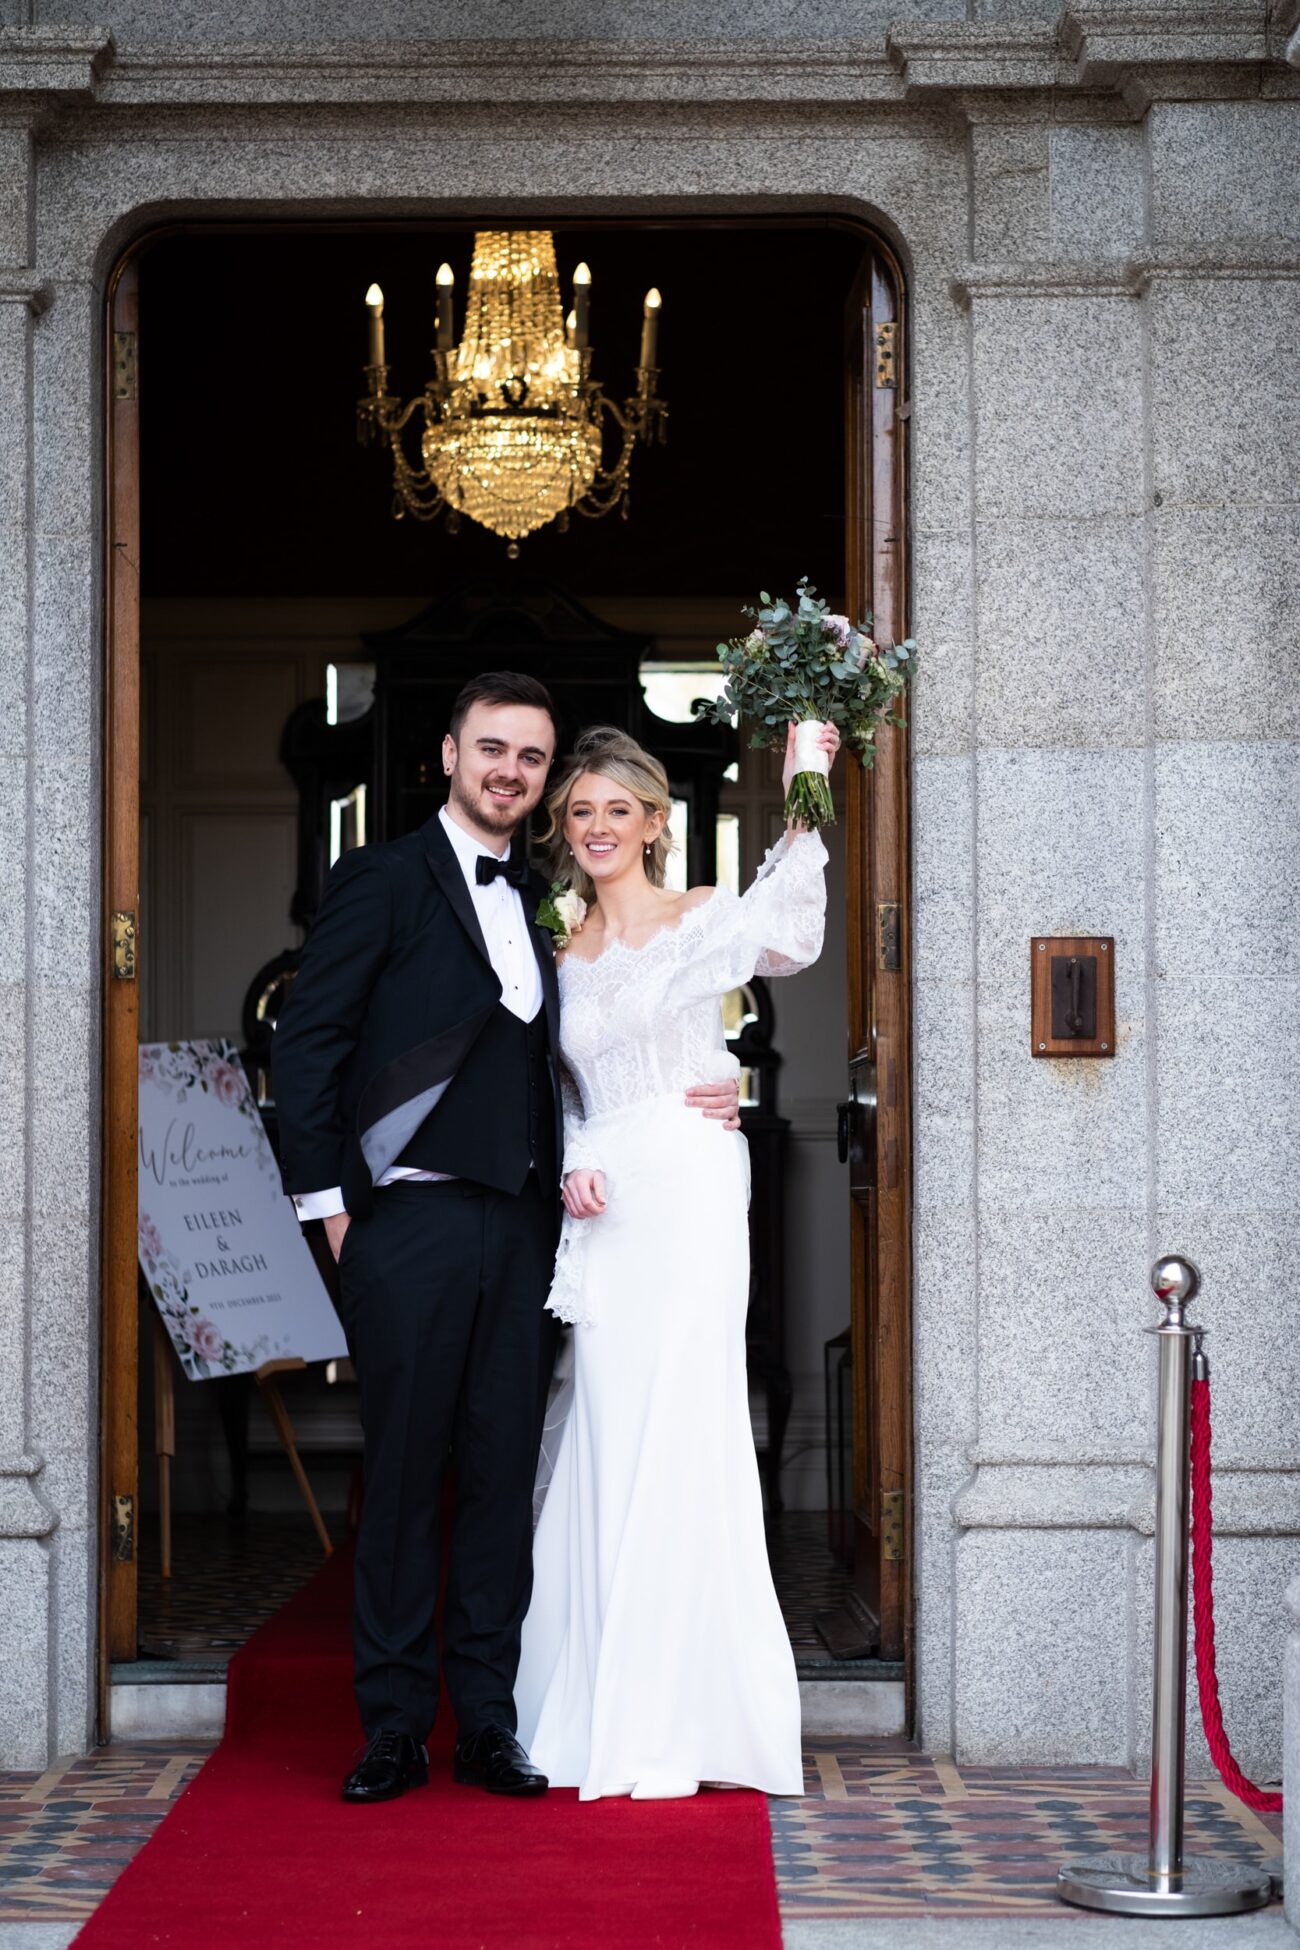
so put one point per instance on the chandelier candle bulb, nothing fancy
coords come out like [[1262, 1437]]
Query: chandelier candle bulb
[[650, 330], [444, 323], [375, 309], [571, 329], [581, 305]]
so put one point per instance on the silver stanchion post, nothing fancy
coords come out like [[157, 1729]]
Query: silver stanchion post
[[1164, 1882]]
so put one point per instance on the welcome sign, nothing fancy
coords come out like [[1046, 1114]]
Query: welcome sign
[[220, 1248]]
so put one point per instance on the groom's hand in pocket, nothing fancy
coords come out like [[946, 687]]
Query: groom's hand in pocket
[[335, 1227], [584, 1194], [717, 1100]]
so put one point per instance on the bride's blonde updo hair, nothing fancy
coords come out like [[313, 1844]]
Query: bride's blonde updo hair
[[611, 754]]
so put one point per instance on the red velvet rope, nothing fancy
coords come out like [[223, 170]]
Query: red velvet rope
[[1203, 1612]]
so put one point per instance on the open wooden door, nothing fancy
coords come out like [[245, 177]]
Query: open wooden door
[[118, 1347], [875, 1136]]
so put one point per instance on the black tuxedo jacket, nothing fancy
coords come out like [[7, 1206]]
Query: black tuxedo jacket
[[394, 989]]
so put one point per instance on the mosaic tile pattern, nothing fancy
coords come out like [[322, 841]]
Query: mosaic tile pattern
[[883, 1830], [228, 1575], [808, 1580], [67, 1834]]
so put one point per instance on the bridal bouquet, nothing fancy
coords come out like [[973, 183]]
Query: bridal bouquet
[[801, 662]]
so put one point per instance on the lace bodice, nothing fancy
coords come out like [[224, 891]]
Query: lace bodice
[[646, 1022]]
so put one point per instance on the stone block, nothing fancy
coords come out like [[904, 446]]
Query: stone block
[[1247, 1261], [13, 1331], [1041, 1627], [1251, 1575], [943, 1112], [1061, 851], [1291, 1748], [1225, 619], [24, 1652], [1062, 1300], [15, 825], [1225, 409], [941, 410], [15, 421], [1226, 899], [17, 193], [1223, 169], [74, 1612], [944, 1313], [14, 619], [64, 1335], [66, 448], [63, 1120], [1227, 1112], [65, 870], [67, 647], [1011, 168], [945, 1420], [1098, 204], [941, 704], [1058, 406], [1060, 618], [942, 880]]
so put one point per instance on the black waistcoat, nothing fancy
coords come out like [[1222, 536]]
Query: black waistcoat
[[497, 1116]]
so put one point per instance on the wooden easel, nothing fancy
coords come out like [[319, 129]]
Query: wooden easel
[[164, 1415]]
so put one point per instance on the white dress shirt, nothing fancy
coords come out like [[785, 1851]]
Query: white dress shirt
[[501, 915]]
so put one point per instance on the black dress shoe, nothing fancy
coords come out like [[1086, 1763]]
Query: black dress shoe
[[391, 1763], [493, 1759]]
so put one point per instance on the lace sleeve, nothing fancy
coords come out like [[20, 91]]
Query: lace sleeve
[[577, 1154], [774, 928]]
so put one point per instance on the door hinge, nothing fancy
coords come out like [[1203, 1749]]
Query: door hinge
[[887, 354], [124, 946], [123, 1529], [893, 1526], [124, 365], [889, 937]]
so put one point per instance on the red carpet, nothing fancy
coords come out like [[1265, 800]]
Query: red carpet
[[260, 1850]]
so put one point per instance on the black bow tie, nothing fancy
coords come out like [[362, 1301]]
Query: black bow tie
[[512, 869]]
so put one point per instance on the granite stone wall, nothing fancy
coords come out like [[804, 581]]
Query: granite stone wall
[[1100, 235]]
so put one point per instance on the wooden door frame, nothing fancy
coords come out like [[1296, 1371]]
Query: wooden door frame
[[119, 1449], [877, 830], [880, 969]]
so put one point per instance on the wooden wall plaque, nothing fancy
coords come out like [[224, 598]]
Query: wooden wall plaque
[[1072, 994]]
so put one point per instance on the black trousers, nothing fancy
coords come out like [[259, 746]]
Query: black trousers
[[443, 1293]]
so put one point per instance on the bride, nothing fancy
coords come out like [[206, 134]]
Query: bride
[[655, 1658]]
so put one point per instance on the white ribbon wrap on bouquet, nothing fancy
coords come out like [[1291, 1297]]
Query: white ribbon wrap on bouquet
[[810, 755]]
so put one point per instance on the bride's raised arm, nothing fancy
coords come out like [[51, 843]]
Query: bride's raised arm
[[774, 928]]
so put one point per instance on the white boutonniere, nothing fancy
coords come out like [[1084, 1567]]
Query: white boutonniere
[[563, 912]]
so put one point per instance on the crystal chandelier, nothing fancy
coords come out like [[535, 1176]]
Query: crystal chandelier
[[514, 427]]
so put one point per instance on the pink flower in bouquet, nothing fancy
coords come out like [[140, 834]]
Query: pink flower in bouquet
[[840, 628], [866, 649], [226, 1083], [204, 1339], [150, 1238]]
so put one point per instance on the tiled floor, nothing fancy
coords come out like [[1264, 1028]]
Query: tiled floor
[[228, 1575], [883, 1831]]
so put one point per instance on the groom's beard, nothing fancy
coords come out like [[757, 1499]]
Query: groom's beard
[[494, 821]]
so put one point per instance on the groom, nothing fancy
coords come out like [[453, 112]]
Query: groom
[[415, 1081]]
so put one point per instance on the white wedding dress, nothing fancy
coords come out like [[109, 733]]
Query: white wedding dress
[[654, 1652]]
